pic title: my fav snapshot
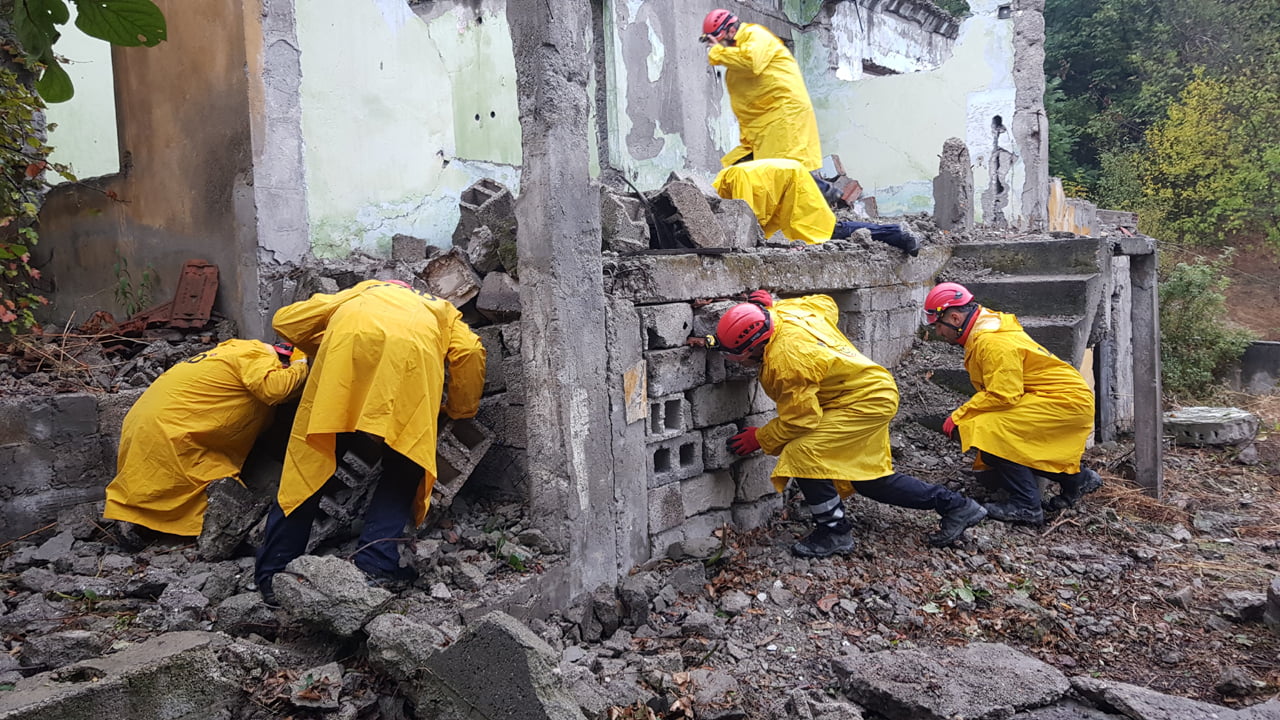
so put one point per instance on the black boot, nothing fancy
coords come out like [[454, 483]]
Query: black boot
[[826, 540], [1010, 513], [1085, 482], [956, 522]]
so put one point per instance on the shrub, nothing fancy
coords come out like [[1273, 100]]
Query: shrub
[[1197, 341]]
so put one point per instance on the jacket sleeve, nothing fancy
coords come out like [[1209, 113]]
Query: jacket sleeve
[[796, 380], [303, 323], [751, 54], [269, 381], [466, 359], [1001, 380]]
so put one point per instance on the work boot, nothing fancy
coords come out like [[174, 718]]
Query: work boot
[[1085, 482], [956, 522], [1010, 513], [826, 540], [910, 241], [828, 189], [395, 582]]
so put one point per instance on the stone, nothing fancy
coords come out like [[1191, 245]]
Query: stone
[[328, 592], [735, 602], [1183, 598], [1066, 711], [713, 687], [451, 277], [953, 187], [62, 648], [688, 579], [624, 226], [55, 548], [1139, 703], [1237, 682], [740, 224], [232, 511], [1269, 710], [1271, 613], [980, 681], [817, 705], [318, 687], [636, 593], [243, 614], [408, 249], [183, 608], [458, 682], [687, 211], [399, 645], [482, 250], [488, 203], [1243, 605], [1210, 426], [499, 298], [702, 624]]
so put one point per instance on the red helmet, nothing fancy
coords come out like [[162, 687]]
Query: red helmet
[[945, 295], [284, 350], [743, 328], [717, 22]]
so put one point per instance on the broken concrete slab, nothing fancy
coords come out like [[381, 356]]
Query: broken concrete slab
[[233, 509], [1139, 703], [328, 592], [318, 687], [399, 645], [1066, 711], [243, 614], [686, 209], [1211, 425], [482, 250], [62, 648], [489, 203], [953, 187], [740, 224], [460, 446], [499, 298], [983, 681], [1271, 613], [408, 249], [451, 277], [624, 225], [175, 676]]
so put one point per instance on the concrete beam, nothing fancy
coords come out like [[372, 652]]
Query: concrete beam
[[1148, 412]]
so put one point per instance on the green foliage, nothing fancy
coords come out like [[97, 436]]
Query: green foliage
[[959, 8], [132, 296], [127, 23], [1197, 342]]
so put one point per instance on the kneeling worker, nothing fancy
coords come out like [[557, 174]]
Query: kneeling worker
[[1031, 415], [196, 424], [832, 429], [379, 370]]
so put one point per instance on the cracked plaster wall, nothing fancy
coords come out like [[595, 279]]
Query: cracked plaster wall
[[889, 129], [401, 112]]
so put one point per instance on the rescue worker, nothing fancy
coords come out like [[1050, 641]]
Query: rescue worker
[[1031, 415], [381, 349], [832, 429], [784, 198], [766, 91], [194, 425]]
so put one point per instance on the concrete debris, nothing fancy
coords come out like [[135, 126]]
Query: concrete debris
[[408, 249], [182, 607], [482, 250], [1139, 703], [243, 614], [1271, 614], [233, 509], [699, 181], [499, 298], [318, 687], [328, 592], [685, 208], [953, 187], [490, 204], [624, 226], [451, 277], [740, 224], [1211, 426], [62, 648], [399, 646]]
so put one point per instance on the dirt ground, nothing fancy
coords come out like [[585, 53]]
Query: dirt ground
[[1255, 275]]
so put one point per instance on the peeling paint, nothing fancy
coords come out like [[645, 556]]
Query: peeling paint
[[656, 55]]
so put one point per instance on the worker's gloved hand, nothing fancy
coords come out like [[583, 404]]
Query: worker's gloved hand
[[949, 429], [761, 298], [744, 443]]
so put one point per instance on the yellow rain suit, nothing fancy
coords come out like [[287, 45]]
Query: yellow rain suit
[[834, 403], [196, 424], [783, 196], [1030, 407], [379, 370], [768, 96]]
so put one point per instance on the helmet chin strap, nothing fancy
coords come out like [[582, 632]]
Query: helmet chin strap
[[962, 330]]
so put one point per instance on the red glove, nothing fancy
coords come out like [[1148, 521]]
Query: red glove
[[744, 443], [761, 298], [949, 428]]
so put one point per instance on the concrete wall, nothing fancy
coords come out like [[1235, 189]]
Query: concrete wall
[[184, 190], [1258, 372], [55, 452], [400, 113]]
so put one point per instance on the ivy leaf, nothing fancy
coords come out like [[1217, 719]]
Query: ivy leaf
[[55, 84], [127, 23], [33, 22]]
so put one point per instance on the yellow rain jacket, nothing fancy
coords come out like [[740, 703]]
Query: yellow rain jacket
[[768, 96], [379, 370], [196, 424], [834, 403], [783, 196], [1030, 407]]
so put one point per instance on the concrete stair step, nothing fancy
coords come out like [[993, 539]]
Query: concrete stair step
[[1047, 256], [1039, 295]]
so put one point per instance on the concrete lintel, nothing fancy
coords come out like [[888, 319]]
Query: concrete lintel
[[1140, 245]]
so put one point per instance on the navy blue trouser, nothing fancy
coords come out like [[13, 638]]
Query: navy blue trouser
[[897, 489], [1020, 481], [888, 234], [389, 512]]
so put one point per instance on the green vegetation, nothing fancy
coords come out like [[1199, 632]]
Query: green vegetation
[[1196, 341]]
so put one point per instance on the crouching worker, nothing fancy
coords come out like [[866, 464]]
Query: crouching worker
[[832, 429], [194, 425], [785, 198], [381, 350], [1031, 415]]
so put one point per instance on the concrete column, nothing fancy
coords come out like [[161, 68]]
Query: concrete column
[[563, 333], [1030, 124], [1148, 420]]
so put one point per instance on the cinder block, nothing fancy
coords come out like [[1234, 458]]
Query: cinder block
[[676, 370], [715, 454], [459, 447], [717, 367], [708, 491], [511, 337], [450, 276], [706, 524], [675, 459], [491, 338], [760, 400], [504, 420], [706, 317], [668, 416], [758, 419], [513, 376], [408, 249], [482, 250], [666, 507], [489, 203], [499, 297], [62, 417], [666, 326], [687, 209], [752, 515], [720, 404], [753, 477]]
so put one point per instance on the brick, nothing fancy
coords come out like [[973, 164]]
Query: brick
[[499, 297], [675, 459], [753, 476], [408, 249], [705, 525], [665, 326], [676, 370], [708, 491], [668, 416], [715, 454], [752, 515], [720, 404], [666, 507]]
